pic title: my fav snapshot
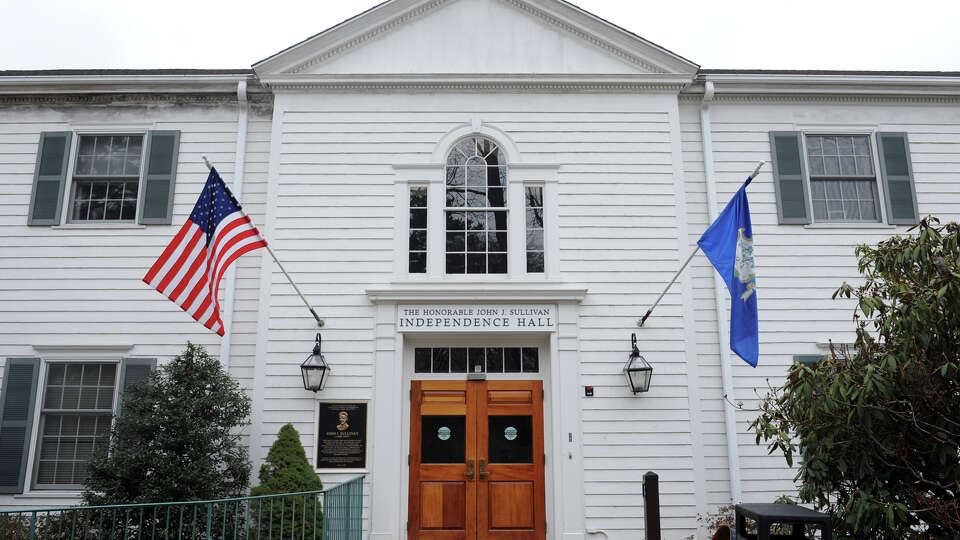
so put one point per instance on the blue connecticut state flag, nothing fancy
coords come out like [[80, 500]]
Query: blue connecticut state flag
[[728, 243]]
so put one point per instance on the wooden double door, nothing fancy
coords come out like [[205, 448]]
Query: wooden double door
[[476, 460]]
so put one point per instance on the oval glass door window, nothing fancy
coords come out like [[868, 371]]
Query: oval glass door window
[[443, 433], [510, 433]]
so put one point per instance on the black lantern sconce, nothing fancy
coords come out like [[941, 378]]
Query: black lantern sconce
[[315, 370], [637, 369]]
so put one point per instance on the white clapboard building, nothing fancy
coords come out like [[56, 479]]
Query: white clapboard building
[[480, 198]]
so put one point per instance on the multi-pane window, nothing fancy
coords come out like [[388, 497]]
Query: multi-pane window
[[843, 182], [476, 360], [106, 178], [418, 230], [476, 215], [534, 218], [75, 420]]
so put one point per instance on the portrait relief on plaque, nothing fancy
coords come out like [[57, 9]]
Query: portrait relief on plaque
[[342, 436]]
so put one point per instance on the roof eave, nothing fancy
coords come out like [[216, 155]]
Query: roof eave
[[126, 83], [833, 83]]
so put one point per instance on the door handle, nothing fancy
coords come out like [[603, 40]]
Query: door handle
[[469, 472], [483, 474]]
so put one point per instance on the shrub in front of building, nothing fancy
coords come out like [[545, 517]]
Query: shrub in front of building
[[176, 439], [875, 428], [287, 470]]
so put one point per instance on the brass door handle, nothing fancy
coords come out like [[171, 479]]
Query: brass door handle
[[483, 469], [469, 472]]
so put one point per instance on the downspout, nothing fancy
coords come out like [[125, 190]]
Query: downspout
[[723, 331], [238, 167]]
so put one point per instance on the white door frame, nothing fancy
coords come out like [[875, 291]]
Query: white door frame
[[560, 373]]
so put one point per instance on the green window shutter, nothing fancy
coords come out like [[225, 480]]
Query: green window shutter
[[17, 401], [46, 200], [789, 178], [133, 371], [159, 177], [900, 194]]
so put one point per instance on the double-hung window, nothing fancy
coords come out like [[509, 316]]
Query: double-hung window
[[72, 403], [75, 417], [843, 178], [104, 177], [843, 184]]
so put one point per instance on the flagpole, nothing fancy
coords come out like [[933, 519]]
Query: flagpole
[[687, 262], [282, 269]]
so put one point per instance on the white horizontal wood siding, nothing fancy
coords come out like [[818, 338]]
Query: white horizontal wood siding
[[618, 235], [75, 285], [798, 267]]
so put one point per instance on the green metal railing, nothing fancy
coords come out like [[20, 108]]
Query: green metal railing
[[330, 514]]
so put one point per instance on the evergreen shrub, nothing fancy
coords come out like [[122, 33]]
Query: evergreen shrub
[[287, 470]]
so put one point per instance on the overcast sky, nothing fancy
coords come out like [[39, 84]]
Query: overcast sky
[[773, 34]]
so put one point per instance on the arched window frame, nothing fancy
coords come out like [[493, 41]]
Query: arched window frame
[[476, 208]]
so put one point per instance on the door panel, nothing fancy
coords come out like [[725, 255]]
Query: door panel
[[476, 460], [443, 495], [512, 505], [444, 505], [510, 433]]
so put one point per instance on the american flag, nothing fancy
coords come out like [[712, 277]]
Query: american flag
[[216, 234]]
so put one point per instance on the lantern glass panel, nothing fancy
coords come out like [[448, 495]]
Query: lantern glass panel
[[315, 372], [638, 373]]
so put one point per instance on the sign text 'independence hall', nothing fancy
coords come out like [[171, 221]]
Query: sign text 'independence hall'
[[477, 318]]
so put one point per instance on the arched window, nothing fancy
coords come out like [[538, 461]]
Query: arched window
[[476, 208]]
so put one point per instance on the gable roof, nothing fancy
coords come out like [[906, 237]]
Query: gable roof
[[391, 15]]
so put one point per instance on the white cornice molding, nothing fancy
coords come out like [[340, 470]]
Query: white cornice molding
[[323, 55], [613, 40], [741, 80], [481, 291], [826, 87], [589, 37], [457, 82], [74, 84], [785, 96]]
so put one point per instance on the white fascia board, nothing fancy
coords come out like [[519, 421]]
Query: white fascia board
[[61, 84], [458, 81], [589, 23], [480, 291], [340, 35], [834, 84]]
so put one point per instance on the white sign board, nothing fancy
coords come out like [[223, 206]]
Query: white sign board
[[476, 318]]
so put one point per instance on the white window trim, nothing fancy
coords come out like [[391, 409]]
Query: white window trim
[[78, 130], [56, 354], [871, 133], [519, 176], [30, 487]]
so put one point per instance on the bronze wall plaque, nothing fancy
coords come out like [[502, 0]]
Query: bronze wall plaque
[[342, 436]]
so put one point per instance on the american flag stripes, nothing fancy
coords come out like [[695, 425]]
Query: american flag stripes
[[188, 271]]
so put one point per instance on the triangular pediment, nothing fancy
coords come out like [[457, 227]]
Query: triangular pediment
[[471, 37]]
